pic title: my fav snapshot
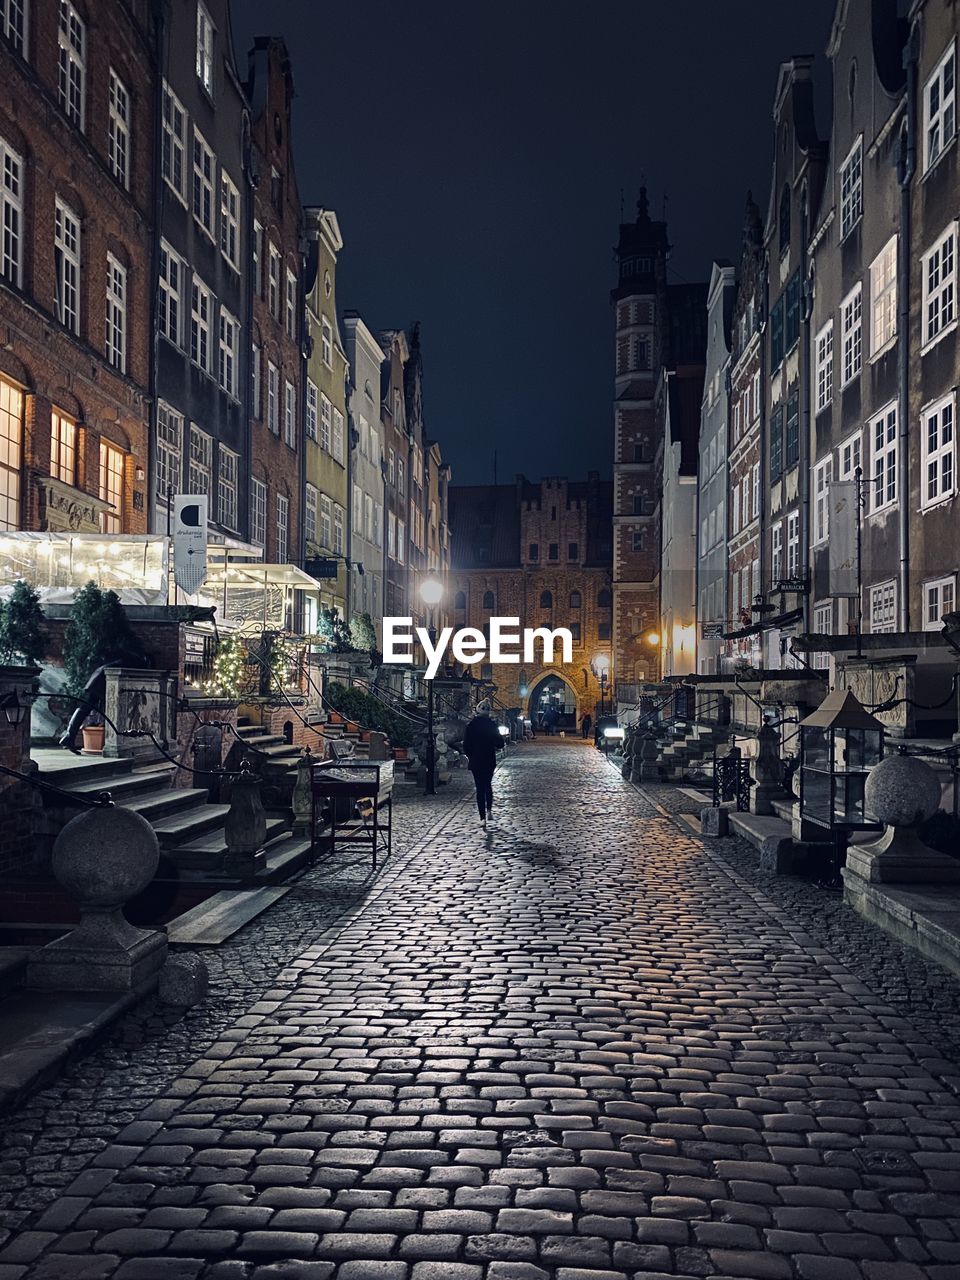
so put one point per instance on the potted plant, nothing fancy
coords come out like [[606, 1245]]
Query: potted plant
[[93, 733]]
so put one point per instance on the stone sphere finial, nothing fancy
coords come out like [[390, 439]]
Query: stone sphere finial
[[105, 856], [902, 791]]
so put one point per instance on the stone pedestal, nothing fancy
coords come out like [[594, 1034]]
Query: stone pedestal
[[875, 680], [766, 772], [141, 702], [646, 766], [245, 827], [714, 822], [303, 794], [103, 857]]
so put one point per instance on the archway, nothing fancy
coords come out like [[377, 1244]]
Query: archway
[[552, 702]]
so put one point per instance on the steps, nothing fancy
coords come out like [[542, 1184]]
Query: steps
[[687, 746]]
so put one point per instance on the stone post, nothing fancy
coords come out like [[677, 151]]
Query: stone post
[[303, 794], [245, 828], [103, 857], [647, 763], [765, 770]]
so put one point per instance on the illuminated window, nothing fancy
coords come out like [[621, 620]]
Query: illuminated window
[[116, 317], [11, 213], [11, 443], [111, 487], [63, 447], [940, 108]]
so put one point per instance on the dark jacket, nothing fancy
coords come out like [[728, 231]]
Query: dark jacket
[[481, 742]]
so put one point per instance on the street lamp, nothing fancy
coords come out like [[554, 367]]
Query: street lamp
[[431, 593], [600, 667]]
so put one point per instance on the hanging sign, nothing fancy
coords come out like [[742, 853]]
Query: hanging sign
[[189, 541]]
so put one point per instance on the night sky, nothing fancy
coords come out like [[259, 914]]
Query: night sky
[[475, 156]]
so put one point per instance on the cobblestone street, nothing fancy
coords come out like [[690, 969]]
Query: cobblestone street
[[579, 1046]]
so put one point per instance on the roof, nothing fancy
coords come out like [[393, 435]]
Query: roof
[[841, 709]]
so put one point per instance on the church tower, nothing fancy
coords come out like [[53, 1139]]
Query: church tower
[[639, 301]]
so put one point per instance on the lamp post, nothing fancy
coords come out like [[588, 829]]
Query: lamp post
[[431, 593], [600, 666]]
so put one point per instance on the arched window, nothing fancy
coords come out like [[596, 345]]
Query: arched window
[[603, 598], [489, 602], [546, 599], [575, 600], [460, 600], [784, 219]]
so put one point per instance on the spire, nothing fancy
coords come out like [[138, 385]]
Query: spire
[[643, 205]]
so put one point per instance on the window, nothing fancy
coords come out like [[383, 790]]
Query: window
[[71, 40], [174, 144], [604, 598], [116, 314], [783, 220], [938, 444], [11, 213], [273, 397], [169, 451], [883, 607], [13, 26], [63, 447], [574, 631], [939, 598], [204, 49], [291, 316], [368, 517], [200, 309], [553, 551], [573, 550], [734, 517], [822, 475], [792, 431], [401, 540], [392, 468], [848, 457], [791, 315], [200, 468], [392, 550], [776, 443], [883, 298], [118, 132], [939, 274], [326, 342], [111, 487], [357, 510], [258, 512], [755, 384], [338, 435], [883, 443], [534, 551], [227, 474], [338, 529], [326, 421], [229, 220], [639, 538], [823, 619], [939, 108], [274, 284], [776, 559], [755, 488], [289, 415], [256, 360], [401, 482], [824, 366], [171, 294], [313, 412], [11, 444], [326, 521], [204, 168], [283, 527], [258, 259], [851, 189], [576, 600], [229, 352], [67, 259], [776, 334], [546, 599], [603, 630], [310, 512], [851, 318], [793, 544]]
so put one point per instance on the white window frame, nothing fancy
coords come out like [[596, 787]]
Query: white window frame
[[337, 435], [283, 528], [823, 348], [229, 353], [174, 144], [289, 414], [199, 461], [851, 189], [938, 446], [793, 544], [851, 330], [14, 24], [205, 47], [256, 373], [883, 299], [115, 330], [938, 274], [118, 131], [258, 512], [112, 467], [734, 517], [258, 257], [204, 180], [882, 600], [326, 422], [11, 214], [72, 63], [940, 107], [326, 342], [939, 598], [228, 476], [823, 618], [290, 318], [169, 451], [273, 398], [401, 541], [273, 282], [229, 220], [313, 410], [64, 447], [201, 322], [326, 522], [755, 486], [67, 243], [310, 512], [822, 477], [776, 552], [338, 527], [849, 456], [884, 465]]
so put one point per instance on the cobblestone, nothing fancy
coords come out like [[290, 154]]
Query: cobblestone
[[579, 1047]]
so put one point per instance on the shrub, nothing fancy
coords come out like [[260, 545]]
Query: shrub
[[363, 633], [370, 713], [98, 632], [22, 638]]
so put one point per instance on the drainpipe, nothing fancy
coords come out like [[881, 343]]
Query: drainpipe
[[906, 167], [806, 294], [159, 35]]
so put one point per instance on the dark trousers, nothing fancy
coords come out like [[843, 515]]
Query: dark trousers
[[483, 778]]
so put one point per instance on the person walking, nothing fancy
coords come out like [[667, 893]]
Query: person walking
[[481, 742], [585, 725]]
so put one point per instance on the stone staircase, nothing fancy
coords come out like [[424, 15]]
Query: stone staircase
[[686, 746]]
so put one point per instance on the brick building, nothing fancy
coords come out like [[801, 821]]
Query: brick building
[[76, 137], [276, 433], [541, 552], [396, 446]]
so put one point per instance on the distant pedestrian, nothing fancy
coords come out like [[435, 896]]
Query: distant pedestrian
[[481, 742], [586, 724]]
